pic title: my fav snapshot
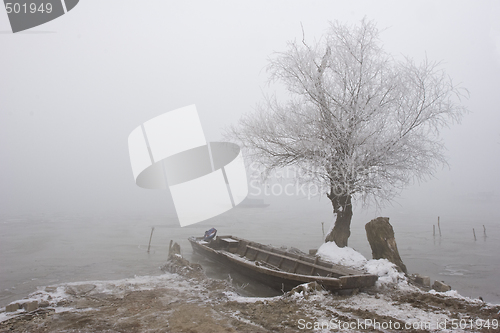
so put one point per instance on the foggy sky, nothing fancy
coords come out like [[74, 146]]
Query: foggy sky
[[73, 89]]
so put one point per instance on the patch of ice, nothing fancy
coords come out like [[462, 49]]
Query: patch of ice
[[58, 294], [345, 311], [236, 315], [7, 315], [383, 306], [232, 296], [68, 309], [455, 294]]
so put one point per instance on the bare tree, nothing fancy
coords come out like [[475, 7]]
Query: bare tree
[[358, 123]]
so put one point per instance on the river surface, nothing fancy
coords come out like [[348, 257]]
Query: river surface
[[39, 250]]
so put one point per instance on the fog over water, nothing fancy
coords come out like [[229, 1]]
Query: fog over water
[[72, 90]]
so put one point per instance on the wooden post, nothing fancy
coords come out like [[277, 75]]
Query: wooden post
[[323, 229], [484, 228], [439, 227], [434, 230], [474, 232], [152, 229]]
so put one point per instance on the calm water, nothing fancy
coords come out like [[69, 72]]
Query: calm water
[[40, 250]]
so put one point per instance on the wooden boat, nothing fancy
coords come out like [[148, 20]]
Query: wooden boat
[[280, 269]]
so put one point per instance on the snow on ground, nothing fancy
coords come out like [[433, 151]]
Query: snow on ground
[[386, 271], [341, 255], [57, 296], [185, 303], [232, 296], [455, 294], [382, 309]]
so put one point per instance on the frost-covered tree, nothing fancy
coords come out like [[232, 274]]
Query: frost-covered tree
[[358, 123]]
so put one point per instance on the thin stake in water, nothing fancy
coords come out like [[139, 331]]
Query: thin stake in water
[[474, 232], [439, 227], [484, 228], [152, 229], [434, 230]]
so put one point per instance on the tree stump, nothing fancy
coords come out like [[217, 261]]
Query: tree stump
[[174, 249], [381, 238]]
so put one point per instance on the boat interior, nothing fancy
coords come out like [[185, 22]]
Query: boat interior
[[278, 259]]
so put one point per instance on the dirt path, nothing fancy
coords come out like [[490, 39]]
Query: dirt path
[[185, 300]]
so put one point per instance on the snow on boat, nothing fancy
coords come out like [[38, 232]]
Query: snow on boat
[[280, 269]]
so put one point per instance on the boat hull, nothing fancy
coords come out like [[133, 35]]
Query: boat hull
[[279, 269]]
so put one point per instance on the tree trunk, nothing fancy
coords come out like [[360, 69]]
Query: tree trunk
[[380, 235], [342, 228]]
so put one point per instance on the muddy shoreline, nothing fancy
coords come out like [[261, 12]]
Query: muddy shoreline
[[183, 299]]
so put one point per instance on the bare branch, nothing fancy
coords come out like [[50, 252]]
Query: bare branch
[[358, 122]]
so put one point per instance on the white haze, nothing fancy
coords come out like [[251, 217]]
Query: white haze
[[73, 89]]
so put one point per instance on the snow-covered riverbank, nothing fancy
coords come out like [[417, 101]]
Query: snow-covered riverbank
[[183, 299]]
